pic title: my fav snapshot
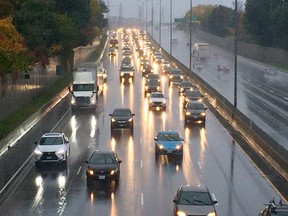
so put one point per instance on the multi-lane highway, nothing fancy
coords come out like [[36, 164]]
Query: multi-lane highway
[[147, 184], [263, 98]]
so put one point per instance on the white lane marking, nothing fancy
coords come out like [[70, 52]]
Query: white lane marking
[[286, 98], [141, 140], [60, 120], [271, 91], [199, 164], [79, 170], [142, 199], [141, 163]]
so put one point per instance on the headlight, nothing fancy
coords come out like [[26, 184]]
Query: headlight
[[182, 77], [112, 172], [73, 101], [158, 88], [188, 113], [151, 101], [186, 99], [203, 114], [181, 89], [212, 214], [161, 146], [178, 147], [130, 120], [164, 101], [131, 73], [38, 152], [171, 76], [180, 213], [121, 74], [113, 120], [92, 100], [61, 151], [146, 87], [91, 172]]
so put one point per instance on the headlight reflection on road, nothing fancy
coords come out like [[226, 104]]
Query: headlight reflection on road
[[39, 181], [113, 207], [73, 123], [93, 126], [61, 181], [113, 144]]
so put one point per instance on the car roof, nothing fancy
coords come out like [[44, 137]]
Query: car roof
[[168, 132], [195, 102], [53, 135], [122, 109], [198, 188]]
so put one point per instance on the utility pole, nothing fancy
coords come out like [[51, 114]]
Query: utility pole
[[171, 27], [190, 32], [152, 21], [235, 56], [160, 20]]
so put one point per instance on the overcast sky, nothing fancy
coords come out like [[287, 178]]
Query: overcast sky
[[131, 8]]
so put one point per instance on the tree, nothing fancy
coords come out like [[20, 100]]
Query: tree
[[14, 56], [6, 8]]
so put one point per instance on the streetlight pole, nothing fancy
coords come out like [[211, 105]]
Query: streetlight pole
[[190, 33], [146, 16], [160, 23], [235, 56], [152, 24], [171, 26]]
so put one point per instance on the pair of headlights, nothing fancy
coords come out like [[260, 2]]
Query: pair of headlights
[[114, 120], [112, 172], [190, 113], [38, 152]]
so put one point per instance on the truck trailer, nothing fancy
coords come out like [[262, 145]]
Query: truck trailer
[[201, 51]]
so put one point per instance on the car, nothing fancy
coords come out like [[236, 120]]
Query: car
[[183, 86], [223, 67], [175, 76], [168, 143], [192, 95], [126, 72], [195, 112], [151, 86], [147, 69], [52, 147], [194, 200], [165, 64], [153, 76], [198, 65], [103, 166], [270, 72], [112, 51], [272, 208], [157, 101], [121, 118]]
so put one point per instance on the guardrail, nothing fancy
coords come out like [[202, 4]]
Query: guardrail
[[260, 141]]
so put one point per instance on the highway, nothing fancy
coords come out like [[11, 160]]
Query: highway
[[261, 97], [147, 184]]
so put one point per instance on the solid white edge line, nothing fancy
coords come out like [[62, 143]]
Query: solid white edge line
[[142, 199], [79, 170]]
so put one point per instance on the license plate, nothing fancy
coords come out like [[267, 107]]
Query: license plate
[[49, 157], [169, 151], [101, 177]]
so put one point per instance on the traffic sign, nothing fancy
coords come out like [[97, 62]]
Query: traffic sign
[[179, 20]]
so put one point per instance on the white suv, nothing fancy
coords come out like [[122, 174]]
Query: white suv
[[157, 101], [52, 147]]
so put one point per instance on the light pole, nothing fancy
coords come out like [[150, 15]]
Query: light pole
[[190, 33], [171, 27], [235, 56], [160, 23], [152, 19]]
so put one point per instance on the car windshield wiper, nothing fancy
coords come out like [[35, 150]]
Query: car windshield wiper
[[169, 138], [187, 200], [200, 201]]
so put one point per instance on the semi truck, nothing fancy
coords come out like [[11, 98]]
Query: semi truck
[[201, 51], [86, 87]]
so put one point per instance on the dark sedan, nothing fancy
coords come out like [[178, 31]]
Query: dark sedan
[[195, 112], [121, 118], [103, 166], [168, 143]]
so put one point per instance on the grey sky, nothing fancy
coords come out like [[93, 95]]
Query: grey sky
[[131, 8]]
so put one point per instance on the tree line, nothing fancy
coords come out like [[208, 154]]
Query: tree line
[[263, 22], [33, 30]]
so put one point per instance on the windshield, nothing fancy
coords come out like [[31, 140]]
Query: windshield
[[195, 198], [157, 95], [193, 94], [83, 87], [102, 159], [195, 106], [51, 141], [168, 137], [186, 84], [122, 113]]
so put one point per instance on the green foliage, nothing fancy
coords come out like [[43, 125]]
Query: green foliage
[[266, 21], [6, 8]]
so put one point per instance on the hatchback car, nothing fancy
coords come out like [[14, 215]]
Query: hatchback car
[[121, 118], [52, 147], [151, 86], [168, 143], [194, 200], [103, 166], [195, 112]]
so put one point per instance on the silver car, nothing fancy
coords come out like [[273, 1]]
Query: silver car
[[194, 200]]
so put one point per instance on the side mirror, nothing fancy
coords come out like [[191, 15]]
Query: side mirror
[[69, 88], [110, 114], [35, 143], [133, 114], [175, 201], [97, 88], [155, 138], [205, 108], [119, 161], [182, 139], [86, 162]]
